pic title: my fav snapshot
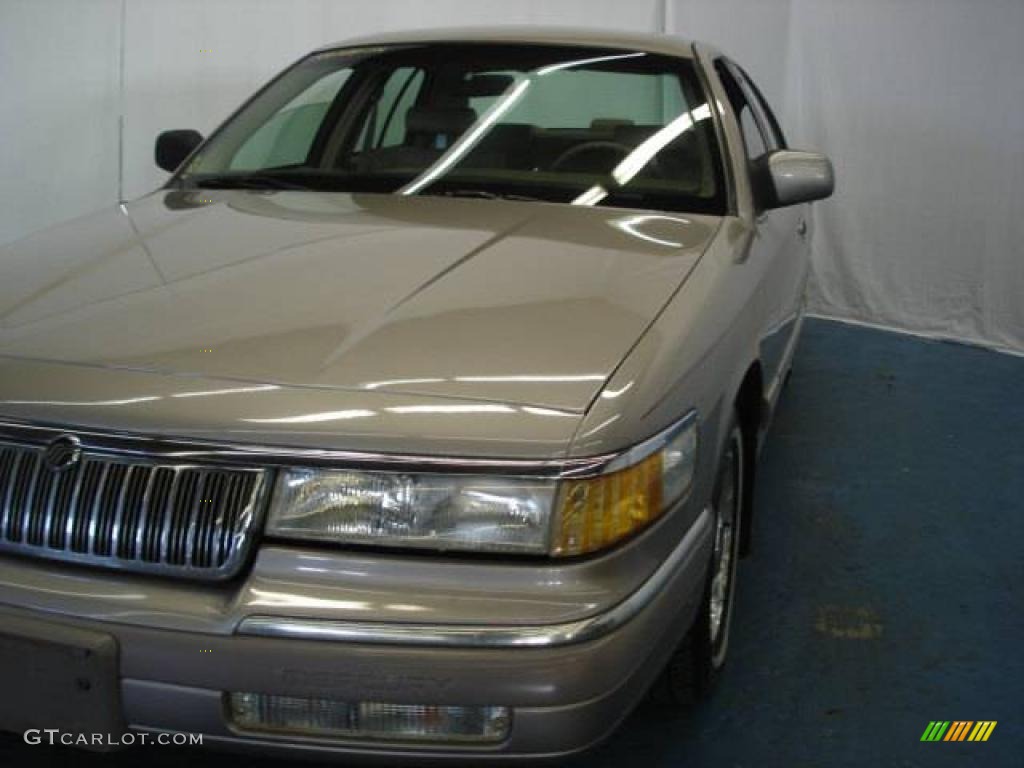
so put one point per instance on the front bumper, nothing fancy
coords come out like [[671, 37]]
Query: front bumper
[[568, 684]]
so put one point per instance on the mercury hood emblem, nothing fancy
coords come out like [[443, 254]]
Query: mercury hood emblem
[[63, 453]]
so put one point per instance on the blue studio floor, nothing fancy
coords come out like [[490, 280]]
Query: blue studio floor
[[885, 587]]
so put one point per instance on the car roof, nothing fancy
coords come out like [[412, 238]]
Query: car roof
[[600, 38]]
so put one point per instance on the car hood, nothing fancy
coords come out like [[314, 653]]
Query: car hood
[[478, 300]]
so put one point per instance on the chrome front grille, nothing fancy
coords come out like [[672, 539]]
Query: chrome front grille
[[129, 513]]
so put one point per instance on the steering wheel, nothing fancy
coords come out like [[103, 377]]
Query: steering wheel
[[622, 150]]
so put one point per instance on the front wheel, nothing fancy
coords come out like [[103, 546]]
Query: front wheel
[[695, 666]]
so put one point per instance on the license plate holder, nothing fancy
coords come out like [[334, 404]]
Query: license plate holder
[[57, 676]]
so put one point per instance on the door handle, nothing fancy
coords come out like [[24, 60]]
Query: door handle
[[801, 228]]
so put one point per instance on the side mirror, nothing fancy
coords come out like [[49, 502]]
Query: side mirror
[[172, 147], [787, 177]]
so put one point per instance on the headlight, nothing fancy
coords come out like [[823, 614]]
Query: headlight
[[467, 512], [489, 514]]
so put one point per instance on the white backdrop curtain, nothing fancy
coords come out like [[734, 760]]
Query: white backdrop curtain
[[920, 103]]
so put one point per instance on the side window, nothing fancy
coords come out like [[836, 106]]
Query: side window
[[753, 137], [385, 122], [286, 138], [765, 116], [751, 133]]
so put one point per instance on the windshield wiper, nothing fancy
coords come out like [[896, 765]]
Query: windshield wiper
[[253, 180], [486, 195]]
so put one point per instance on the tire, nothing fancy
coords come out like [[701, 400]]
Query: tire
[[696, 664]]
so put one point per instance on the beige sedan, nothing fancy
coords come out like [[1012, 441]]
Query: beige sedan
[[416, 416]]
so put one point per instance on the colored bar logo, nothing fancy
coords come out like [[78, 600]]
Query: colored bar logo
[[958, 730]]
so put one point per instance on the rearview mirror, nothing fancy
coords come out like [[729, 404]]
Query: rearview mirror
[[788, 176], [172, 147]]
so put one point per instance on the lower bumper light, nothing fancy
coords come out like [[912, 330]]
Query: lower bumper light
[[329, 718]]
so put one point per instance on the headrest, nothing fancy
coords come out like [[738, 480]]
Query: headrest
[[450, 121], [483, 85]]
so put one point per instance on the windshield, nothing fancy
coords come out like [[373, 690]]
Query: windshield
[[565, 124]]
